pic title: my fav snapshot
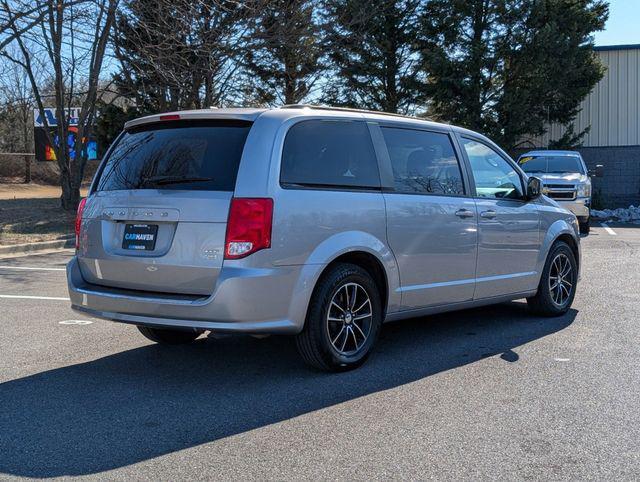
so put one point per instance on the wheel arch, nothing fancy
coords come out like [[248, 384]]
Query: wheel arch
[[570, 240], [372, 265], [560, 230], [359, 248]]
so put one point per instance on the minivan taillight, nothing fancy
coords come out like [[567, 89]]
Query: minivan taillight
[[79, 221], [248, 227]]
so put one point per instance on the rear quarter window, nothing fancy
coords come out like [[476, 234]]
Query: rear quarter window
[[191, 155], [329, 153], [423, 162]]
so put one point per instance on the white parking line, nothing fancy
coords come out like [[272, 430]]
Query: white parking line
[[608, 229], [26, 297], [32, 268], [75, 322]]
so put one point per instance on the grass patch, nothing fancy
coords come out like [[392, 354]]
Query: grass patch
[[29, 220]]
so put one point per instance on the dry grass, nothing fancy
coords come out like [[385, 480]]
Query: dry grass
[[31, 220], [28, 191], [31, 213]]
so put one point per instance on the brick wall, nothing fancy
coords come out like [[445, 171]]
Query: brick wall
[[620, 186]]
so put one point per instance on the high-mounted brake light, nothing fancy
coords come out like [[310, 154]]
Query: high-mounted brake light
[[170, 117], [248, 227], [79, 221]]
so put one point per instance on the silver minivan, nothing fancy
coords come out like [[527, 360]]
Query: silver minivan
[[317, 222]]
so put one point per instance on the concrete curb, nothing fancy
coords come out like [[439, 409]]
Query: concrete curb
[[35, 247]]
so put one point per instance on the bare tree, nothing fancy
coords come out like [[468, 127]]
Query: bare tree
[[71, 39], [19, 19], [16, 99]]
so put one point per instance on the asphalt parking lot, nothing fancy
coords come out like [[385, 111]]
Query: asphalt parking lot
[[481, 394]]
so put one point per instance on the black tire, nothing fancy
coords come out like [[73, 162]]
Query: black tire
[[315, 342], [166, 336], [585, 225], [543, 303]]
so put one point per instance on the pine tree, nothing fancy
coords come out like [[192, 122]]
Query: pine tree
[[508, 67], [177, 54], [372, 46], [282, 53]]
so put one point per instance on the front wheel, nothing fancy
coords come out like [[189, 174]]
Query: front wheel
[[557, 286], [343, 321], [169, 337]]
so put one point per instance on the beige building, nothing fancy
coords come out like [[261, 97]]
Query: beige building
[[612, 110]]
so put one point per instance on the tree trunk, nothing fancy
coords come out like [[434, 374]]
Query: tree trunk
[[27, 169], [208, 90], [26, 145], [477, 52], [70, 197]]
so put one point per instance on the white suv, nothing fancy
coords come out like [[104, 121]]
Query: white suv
[[565, 179]]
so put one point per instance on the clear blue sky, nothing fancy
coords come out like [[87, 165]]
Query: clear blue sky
[[622, 27]]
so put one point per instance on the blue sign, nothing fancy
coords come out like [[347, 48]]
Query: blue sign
[[72, 115]]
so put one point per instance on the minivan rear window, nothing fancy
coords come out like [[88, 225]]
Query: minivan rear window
[[329, 153], [187, 155]]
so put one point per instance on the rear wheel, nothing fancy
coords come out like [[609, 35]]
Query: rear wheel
[[343, 320], [557, 286], [585, 225], [169, 337]]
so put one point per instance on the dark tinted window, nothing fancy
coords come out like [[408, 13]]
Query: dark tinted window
[[195, 155], [423, 162], [329, 153], [551, 164], [493, 175]]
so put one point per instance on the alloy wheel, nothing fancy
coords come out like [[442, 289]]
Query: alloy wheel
[[349, 319], [561, 279]]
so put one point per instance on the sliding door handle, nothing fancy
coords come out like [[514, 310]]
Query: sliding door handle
[[465, 213], [488, 214]]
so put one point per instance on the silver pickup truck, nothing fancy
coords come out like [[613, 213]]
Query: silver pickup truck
[[565, 179]]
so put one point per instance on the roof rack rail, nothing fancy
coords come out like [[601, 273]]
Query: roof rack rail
[[350, 109]]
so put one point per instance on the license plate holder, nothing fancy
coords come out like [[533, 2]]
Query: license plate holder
[[140, 237]]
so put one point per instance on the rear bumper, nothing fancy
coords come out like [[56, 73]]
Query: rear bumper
[[245, 300], [277, 326], [579, 206]]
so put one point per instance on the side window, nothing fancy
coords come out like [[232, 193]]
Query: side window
[[329, 153], [494, 177], [423, 162]]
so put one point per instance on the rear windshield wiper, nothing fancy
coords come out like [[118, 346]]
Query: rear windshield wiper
[[163, 180]]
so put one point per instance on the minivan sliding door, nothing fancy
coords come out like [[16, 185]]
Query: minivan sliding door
[[431, 222]]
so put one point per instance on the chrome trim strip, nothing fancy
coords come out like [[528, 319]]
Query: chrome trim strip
[[431, 310], [204, 299], [465, 281]]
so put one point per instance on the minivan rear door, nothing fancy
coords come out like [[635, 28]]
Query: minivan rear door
[[156, 217]]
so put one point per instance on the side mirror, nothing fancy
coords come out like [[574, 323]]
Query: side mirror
[[598, 171], [534, 188]]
